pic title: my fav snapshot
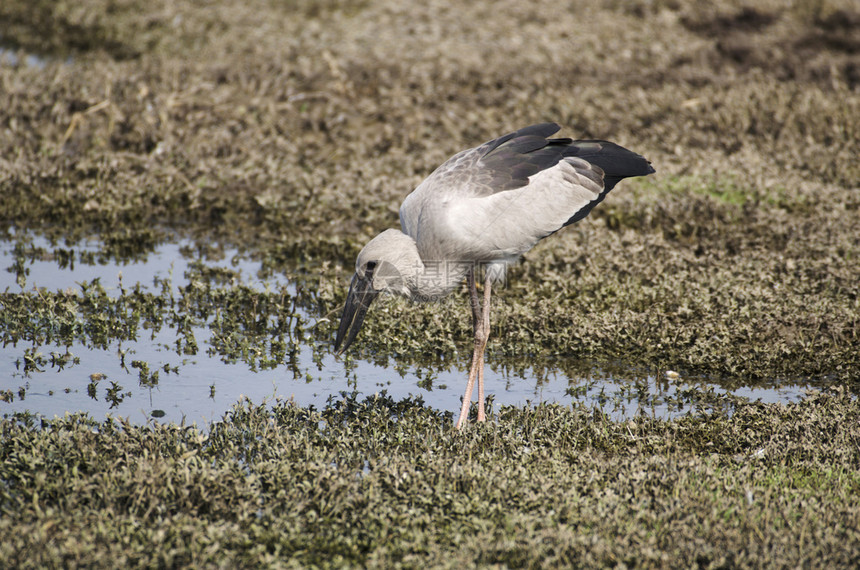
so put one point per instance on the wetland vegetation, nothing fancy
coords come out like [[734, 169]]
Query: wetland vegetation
[[384, 483], [290, 131]]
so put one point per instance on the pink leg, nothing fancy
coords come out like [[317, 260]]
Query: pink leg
[[481, 415], [481, 328], [477, 357], [485, 335]]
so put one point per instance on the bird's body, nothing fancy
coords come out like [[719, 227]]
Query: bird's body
[[484, 206]]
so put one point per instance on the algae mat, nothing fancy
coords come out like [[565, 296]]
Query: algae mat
[[292, 130], [384, 484], [296, 128]]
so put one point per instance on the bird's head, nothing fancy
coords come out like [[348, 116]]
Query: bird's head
[[387, 264]]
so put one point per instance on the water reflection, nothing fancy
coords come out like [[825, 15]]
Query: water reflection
[[157, 335], [13, 57]]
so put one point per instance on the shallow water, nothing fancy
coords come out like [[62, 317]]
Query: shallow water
[[11, 56], [201, 387]]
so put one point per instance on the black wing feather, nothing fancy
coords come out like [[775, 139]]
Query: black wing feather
[[542, 130], [507, 163], [616, 163]]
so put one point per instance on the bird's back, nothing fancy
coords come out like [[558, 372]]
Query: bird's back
[[495, 201]]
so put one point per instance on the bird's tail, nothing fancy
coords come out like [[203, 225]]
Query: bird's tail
[[615, 161]]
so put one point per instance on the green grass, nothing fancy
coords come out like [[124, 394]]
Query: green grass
[[293, 130], [383, 483]]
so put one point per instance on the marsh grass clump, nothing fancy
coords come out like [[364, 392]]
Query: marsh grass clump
[[292, 130], [380, 482], [261, 327]]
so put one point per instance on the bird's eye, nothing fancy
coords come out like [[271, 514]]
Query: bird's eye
[[371, 265]]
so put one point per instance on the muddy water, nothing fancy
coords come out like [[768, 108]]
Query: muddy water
[[150, 378]]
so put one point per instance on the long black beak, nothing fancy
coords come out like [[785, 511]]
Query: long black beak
[[361, 295]]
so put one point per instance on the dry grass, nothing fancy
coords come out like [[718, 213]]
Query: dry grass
[[295, 128], [388, 484]]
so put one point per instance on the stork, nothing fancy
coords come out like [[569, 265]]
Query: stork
[[484, 207]]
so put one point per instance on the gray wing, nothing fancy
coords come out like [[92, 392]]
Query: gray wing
[[498, 199]]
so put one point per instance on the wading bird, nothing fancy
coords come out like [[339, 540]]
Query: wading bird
[[485, 206]]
